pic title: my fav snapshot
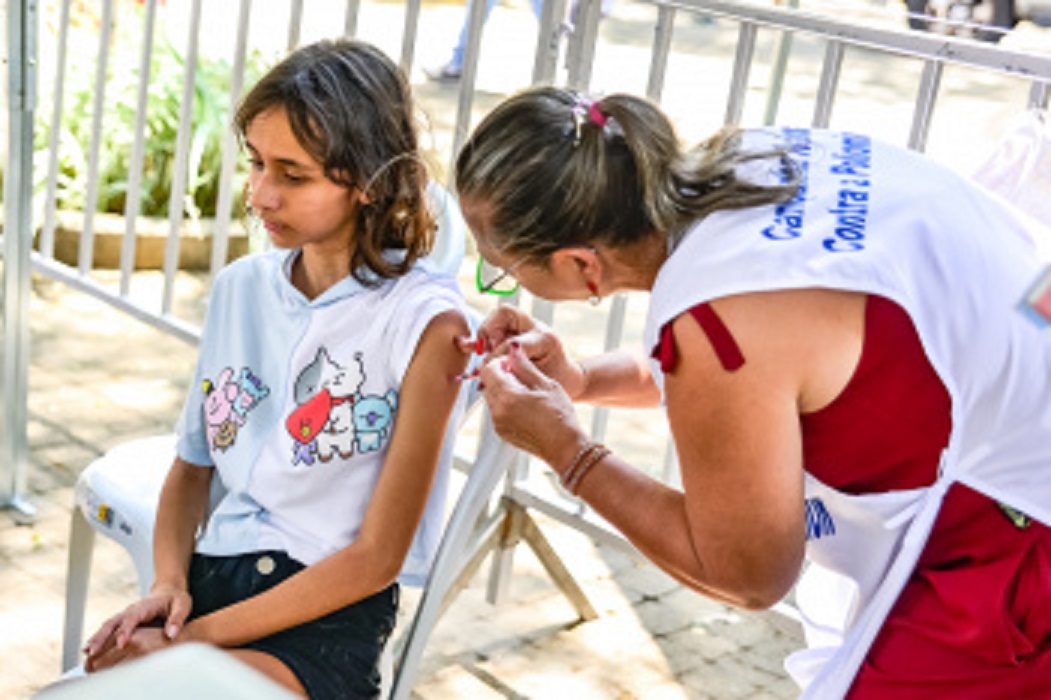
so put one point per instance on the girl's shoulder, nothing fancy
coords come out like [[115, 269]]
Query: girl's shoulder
[[422, 286], [252, 266]]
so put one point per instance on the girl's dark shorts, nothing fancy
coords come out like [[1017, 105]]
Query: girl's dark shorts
[[335, 657]]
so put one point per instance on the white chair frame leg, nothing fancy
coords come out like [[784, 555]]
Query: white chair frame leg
[[494, 458], [81, 548]]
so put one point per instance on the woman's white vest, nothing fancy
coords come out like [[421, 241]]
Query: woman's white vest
[[883, 220]]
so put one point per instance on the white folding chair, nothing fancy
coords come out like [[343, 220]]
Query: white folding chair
[[492, 461]]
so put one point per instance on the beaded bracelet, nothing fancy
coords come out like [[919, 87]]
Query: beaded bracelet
[[574, 464], [591, 454]]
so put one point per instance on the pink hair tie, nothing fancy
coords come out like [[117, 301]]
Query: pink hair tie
[[597, 116], [586, 109]]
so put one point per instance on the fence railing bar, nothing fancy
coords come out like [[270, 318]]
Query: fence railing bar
[[295, 24], [350, 20], [742, 67], [777, 73], [901, 41], [132, 197], [47, 232], [831, 67], [926, 96], [662, 36], [17, 241], [567, 513], [550, 35], [543, 310], [475, 22], [166, 323], [409, 34], [1038, 94], [176, 204], [87, 235], [615, 322], [582, 43], [231, 149]]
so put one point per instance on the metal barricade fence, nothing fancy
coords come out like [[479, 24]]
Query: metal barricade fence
[[699, 63]]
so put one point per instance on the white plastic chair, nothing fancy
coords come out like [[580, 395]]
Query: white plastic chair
[[117, 494]]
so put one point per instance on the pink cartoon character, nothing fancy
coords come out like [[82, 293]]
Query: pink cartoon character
[[220, 416]]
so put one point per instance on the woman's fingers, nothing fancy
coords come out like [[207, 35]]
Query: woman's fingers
[[501, 325], [471, 346], [528, 409], [524, 369]]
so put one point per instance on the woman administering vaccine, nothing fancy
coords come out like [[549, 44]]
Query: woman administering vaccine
[[838, 332]]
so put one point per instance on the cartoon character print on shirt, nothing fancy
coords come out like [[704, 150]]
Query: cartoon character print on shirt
[[373, 417], [227, 401], [332, 415]]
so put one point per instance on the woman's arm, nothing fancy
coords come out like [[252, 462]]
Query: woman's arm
[[374, 559], [617, 378], [736, 530]]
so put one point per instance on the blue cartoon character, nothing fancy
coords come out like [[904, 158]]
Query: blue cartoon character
[[322, 425], [252, 392], [373, 417]]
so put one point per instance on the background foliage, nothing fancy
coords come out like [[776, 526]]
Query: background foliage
[[210, 122]]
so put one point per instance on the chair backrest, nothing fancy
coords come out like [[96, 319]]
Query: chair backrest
[[450, 240]]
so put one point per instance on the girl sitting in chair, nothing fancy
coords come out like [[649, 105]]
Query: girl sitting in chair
[[325, 383]]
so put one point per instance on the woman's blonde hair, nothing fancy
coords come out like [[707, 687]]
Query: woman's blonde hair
[[557, 171]]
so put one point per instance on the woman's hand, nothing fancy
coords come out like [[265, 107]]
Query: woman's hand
[[165, 608], [539, 343], [530, 410]]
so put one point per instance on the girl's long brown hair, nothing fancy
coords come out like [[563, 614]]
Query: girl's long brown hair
[[351, 108]]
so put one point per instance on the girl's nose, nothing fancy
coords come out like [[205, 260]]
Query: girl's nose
[[261, 195]]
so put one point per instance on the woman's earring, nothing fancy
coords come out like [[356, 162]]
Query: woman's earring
[[593, 298]]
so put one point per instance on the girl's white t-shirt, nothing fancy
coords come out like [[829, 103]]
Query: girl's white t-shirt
[[295, 400]]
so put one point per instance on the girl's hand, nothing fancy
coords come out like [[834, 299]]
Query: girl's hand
[[143, 641], [166, 607], [539, 343], [530, 410]]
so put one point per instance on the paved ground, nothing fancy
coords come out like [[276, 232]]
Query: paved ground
[[98, 379]]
